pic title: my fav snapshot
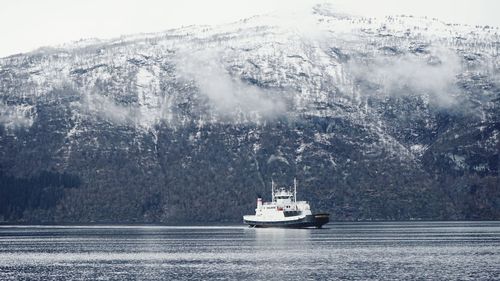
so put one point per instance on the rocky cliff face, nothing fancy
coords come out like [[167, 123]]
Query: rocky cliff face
[[394, 118]]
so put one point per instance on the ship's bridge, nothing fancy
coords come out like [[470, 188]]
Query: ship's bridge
[[283, 196]]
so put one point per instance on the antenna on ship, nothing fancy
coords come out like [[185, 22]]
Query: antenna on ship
[[272, 189], [295, 189]]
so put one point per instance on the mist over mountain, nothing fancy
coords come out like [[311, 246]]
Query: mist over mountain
[[378, 119]]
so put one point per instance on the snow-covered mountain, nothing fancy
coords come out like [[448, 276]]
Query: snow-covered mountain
[[392, 118]]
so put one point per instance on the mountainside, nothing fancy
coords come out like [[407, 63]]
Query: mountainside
[[393, 118]]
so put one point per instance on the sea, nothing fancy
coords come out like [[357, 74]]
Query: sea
[[414, 250]]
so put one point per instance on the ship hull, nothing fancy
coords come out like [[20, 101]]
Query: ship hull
[[316, 220]]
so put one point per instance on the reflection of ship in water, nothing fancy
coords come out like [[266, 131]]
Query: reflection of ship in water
[[282, 238], [282, 251], [285, 211]]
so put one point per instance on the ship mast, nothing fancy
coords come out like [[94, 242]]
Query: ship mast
[[272, 190], [295, 189]]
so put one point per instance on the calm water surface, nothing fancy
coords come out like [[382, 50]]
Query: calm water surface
[[341, 251]]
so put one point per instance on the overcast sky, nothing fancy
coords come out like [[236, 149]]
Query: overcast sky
[[28, 24]]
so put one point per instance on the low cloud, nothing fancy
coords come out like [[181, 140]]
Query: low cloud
[[16, 116], [409, 74], [106, 108], [229, 96]]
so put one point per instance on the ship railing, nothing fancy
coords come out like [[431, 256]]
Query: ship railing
[[268, 203], [290, 203]]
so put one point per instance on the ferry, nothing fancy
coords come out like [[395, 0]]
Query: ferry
[[285, 211]]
